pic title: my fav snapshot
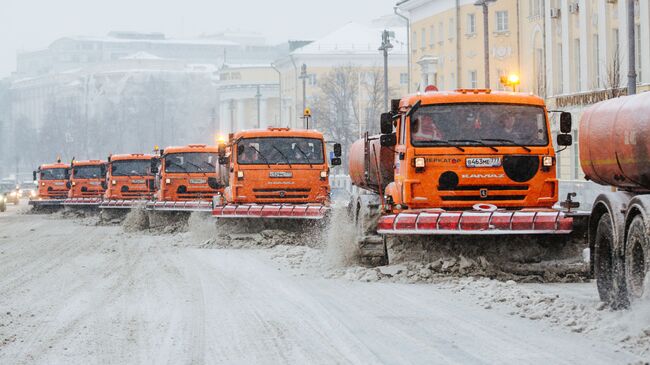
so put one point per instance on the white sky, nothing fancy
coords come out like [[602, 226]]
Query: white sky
[[33, 24]]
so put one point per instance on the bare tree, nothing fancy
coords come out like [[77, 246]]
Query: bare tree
[[613, 85]]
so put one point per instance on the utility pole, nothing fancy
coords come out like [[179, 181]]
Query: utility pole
[[303, 76], [486, 38], [408, 47], [258, 96], [631, 46], [385, 47]]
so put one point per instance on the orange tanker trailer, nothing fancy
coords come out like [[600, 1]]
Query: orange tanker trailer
[[615, 151]]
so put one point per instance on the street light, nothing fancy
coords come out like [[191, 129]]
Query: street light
[[303, 76], [385, 47], [486, 38]]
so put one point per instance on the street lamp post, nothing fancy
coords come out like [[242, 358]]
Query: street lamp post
[[258, 96], [385, 47], [631, 46], [486, 38], [303, 76]]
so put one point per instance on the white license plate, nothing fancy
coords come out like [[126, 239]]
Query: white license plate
[[280, 174], [59, 183], [95, 183], [483, 162], [197, 181], [137, 181]]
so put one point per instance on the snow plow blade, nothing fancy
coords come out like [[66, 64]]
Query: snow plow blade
[[122, 204], [475, 223], [46, 202], [272, 211], [180, 206], [82, 202]]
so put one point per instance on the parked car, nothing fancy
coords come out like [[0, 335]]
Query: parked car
[[11, 192]]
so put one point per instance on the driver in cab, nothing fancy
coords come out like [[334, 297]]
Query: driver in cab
[[424, 128]]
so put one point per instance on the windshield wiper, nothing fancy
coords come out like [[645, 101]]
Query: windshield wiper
[[304, 154], [198, 168], [507, 141], [179, 165], [475, 141], [261, 155], [285, 157], [441, 141]]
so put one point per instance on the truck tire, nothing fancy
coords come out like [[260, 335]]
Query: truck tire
[[637, 257], [608, 270], [3, 206]]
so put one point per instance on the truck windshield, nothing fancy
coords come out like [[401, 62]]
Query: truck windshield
[[479, 124], [279, 151], [54, 174], [88, 172], [131, 168], [190, 162]]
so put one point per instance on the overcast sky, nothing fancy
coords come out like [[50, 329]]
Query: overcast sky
[[33, 24]]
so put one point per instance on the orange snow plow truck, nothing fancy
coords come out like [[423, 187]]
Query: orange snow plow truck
[[467, 163], [129, 181], [87, 183], [52, 184], [185, 179], [276, 173]]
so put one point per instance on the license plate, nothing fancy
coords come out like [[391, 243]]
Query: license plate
[[197, 181], [59, 183], [483, 162], [137, 181], [95, 183], [280, 174]]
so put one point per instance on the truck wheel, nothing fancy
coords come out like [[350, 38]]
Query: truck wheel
[[637, 255], [3, 206], [607, 267]]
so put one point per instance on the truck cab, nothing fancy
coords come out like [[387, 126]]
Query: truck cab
[[276, 165], [454, 149], [52, 181], [186, 173], [87, 179], [129, 177]]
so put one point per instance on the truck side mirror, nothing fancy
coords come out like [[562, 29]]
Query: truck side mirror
[[564, 140], [386, 123], [337, 149], [154, 165], [336, 161], [565, 122], [223, 160], [34, 172], [388, 140]]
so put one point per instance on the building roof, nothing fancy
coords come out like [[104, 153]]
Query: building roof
[[355, 38]]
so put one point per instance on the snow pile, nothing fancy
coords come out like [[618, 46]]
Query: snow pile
[[136, 220]]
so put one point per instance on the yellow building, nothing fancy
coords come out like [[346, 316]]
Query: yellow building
[[447, 42], [354, 46]]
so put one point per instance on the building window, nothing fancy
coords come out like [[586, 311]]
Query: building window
[[578, 69], [471, 23], [441, 34], [452, 28], [403, 78], [423, 42], [560, 71], [596, 56], [473, 83], [432, 38], [638, 51], [311, 79], [415, 40], [502, 21]]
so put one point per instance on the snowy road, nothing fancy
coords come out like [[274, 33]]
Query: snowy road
[[77, 294]]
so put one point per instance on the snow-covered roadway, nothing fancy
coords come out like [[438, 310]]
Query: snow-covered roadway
[[72, 293]]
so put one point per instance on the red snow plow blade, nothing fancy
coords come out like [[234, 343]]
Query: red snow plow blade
[[82, 202], [180, 206], [122, 203], [475, 223], [272, 211], [46, 202]]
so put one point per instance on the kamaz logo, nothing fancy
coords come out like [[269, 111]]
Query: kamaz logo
[[483, 176]]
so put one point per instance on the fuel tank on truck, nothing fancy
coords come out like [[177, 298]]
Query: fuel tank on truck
[[615, 142], [365, 157]]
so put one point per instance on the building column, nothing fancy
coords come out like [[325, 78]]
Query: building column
[[264, 117], [603, 42], [584, 7], [566, 47], [241, 116], [644, 11], [623, 39], [224, 116], [550, 46]]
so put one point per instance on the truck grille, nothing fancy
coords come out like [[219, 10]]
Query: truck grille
[[465, 198], [479, 187]]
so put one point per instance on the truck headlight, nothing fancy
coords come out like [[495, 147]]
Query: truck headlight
[[240, 174], [74, 183], [168, 181], [547, 161], [43, 184], [419, 162], [114, 182], [323, 174]]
